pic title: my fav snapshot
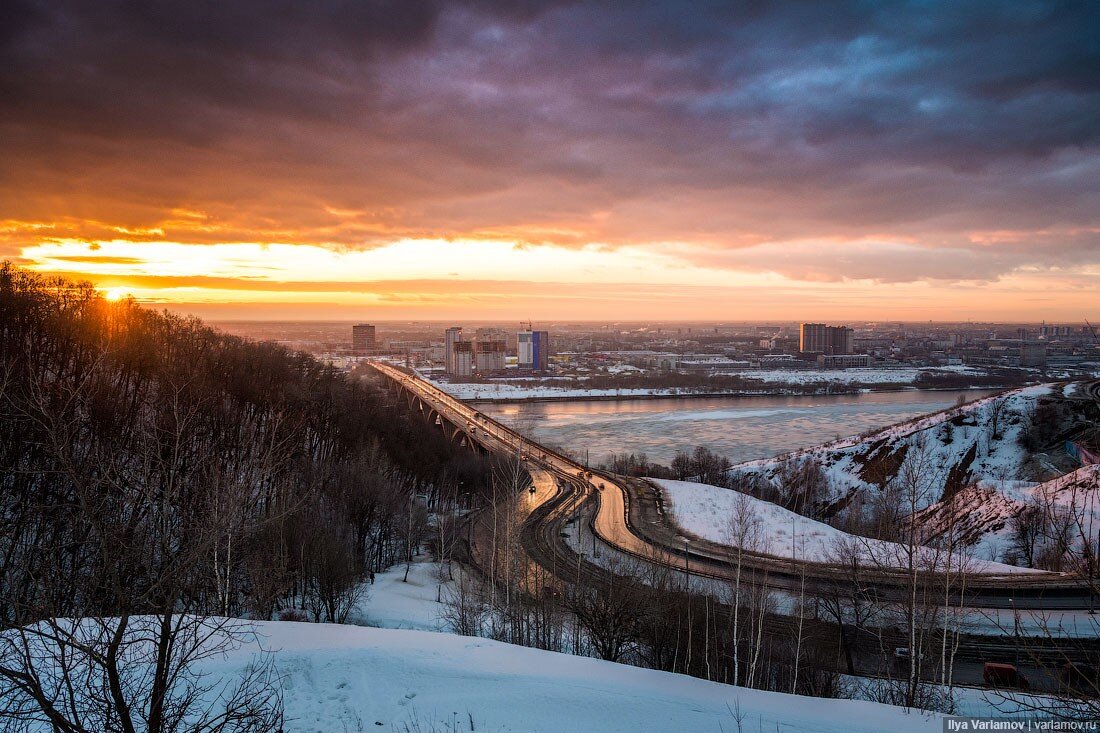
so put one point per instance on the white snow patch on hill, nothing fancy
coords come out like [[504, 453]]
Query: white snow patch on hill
[[391, 602], [706, 511]]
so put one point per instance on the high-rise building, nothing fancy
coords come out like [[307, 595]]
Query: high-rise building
[[533, 350], [489, 356], [821, 339], [812, 336], [451, 337], [490, 347], [363, 338], [463, 358], [841, 340], [1048, 331]]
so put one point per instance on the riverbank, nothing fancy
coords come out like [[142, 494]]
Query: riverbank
[[631, 395], [771, 383]]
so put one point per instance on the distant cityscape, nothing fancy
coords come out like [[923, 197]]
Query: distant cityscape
[[494, 350]]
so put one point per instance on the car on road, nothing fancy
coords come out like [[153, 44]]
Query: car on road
[[1004, 676]]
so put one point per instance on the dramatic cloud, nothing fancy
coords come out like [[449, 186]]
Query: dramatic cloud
[[818, 141]]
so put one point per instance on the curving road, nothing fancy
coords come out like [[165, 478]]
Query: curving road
[[629, 518]]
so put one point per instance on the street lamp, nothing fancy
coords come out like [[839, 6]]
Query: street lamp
[[1016, 631], [687, 572]]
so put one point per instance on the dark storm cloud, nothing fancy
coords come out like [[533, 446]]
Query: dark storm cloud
[[725, 123], [167, 69]]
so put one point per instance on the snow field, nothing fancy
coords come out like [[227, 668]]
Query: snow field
[[340, 678], [706, 511]]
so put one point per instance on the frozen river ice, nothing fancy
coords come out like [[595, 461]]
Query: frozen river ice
[[741, 428]]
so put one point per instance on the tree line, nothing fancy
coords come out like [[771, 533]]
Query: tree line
[[156, 473]]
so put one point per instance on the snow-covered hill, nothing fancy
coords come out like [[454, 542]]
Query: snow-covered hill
[[959, 440], [966, 469], [347, 678], [986, 515]]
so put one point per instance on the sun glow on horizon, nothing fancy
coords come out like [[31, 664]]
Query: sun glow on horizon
[[115, 294], [438, 278], [250, 264]]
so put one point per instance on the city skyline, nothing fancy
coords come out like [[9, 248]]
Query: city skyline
[[481, 161]]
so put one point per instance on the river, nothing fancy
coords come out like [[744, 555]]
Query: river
[[740, 428]]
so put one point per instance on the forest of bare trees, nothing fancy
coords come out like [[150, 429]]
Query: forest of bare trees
[[159, 474]]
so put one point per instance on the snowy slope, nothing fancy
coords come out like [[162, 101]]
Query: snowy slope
[[391, 602], [340, 678], [706, 511], [958, 443], [982, 514], [971, 481]]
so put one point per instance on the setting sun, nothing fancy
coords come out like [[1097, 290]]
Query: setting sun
[[114, 294]]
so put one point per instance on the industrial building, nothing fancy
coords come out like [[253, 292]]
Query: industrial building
[[844, 361]]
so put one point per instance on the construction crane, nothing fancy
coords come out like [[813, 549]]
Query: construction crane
[[1092, 330]]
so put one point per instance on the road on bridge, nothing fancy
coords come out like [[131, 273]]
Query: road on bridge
[[629, 519]]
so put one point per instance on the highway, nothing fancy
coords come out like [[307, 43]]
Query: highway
[[629, 518]]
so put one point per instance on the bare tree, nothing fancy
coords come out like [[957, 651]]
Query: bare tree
[[997, 414], [133, 673], [465, 607], [745, 534], [1063, 651], [607, 610]]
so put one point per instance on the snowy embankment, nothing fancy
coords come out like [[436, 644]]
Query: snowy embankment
[[872, 375], [984, 514], [949, 435], [973, 454], [339, 678], [564, 388], [392, 602], [535, 390], [722, 515], [355, 678]]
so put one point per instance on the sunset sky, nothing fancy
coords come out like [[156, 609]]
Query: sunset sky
[[606, 160]]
